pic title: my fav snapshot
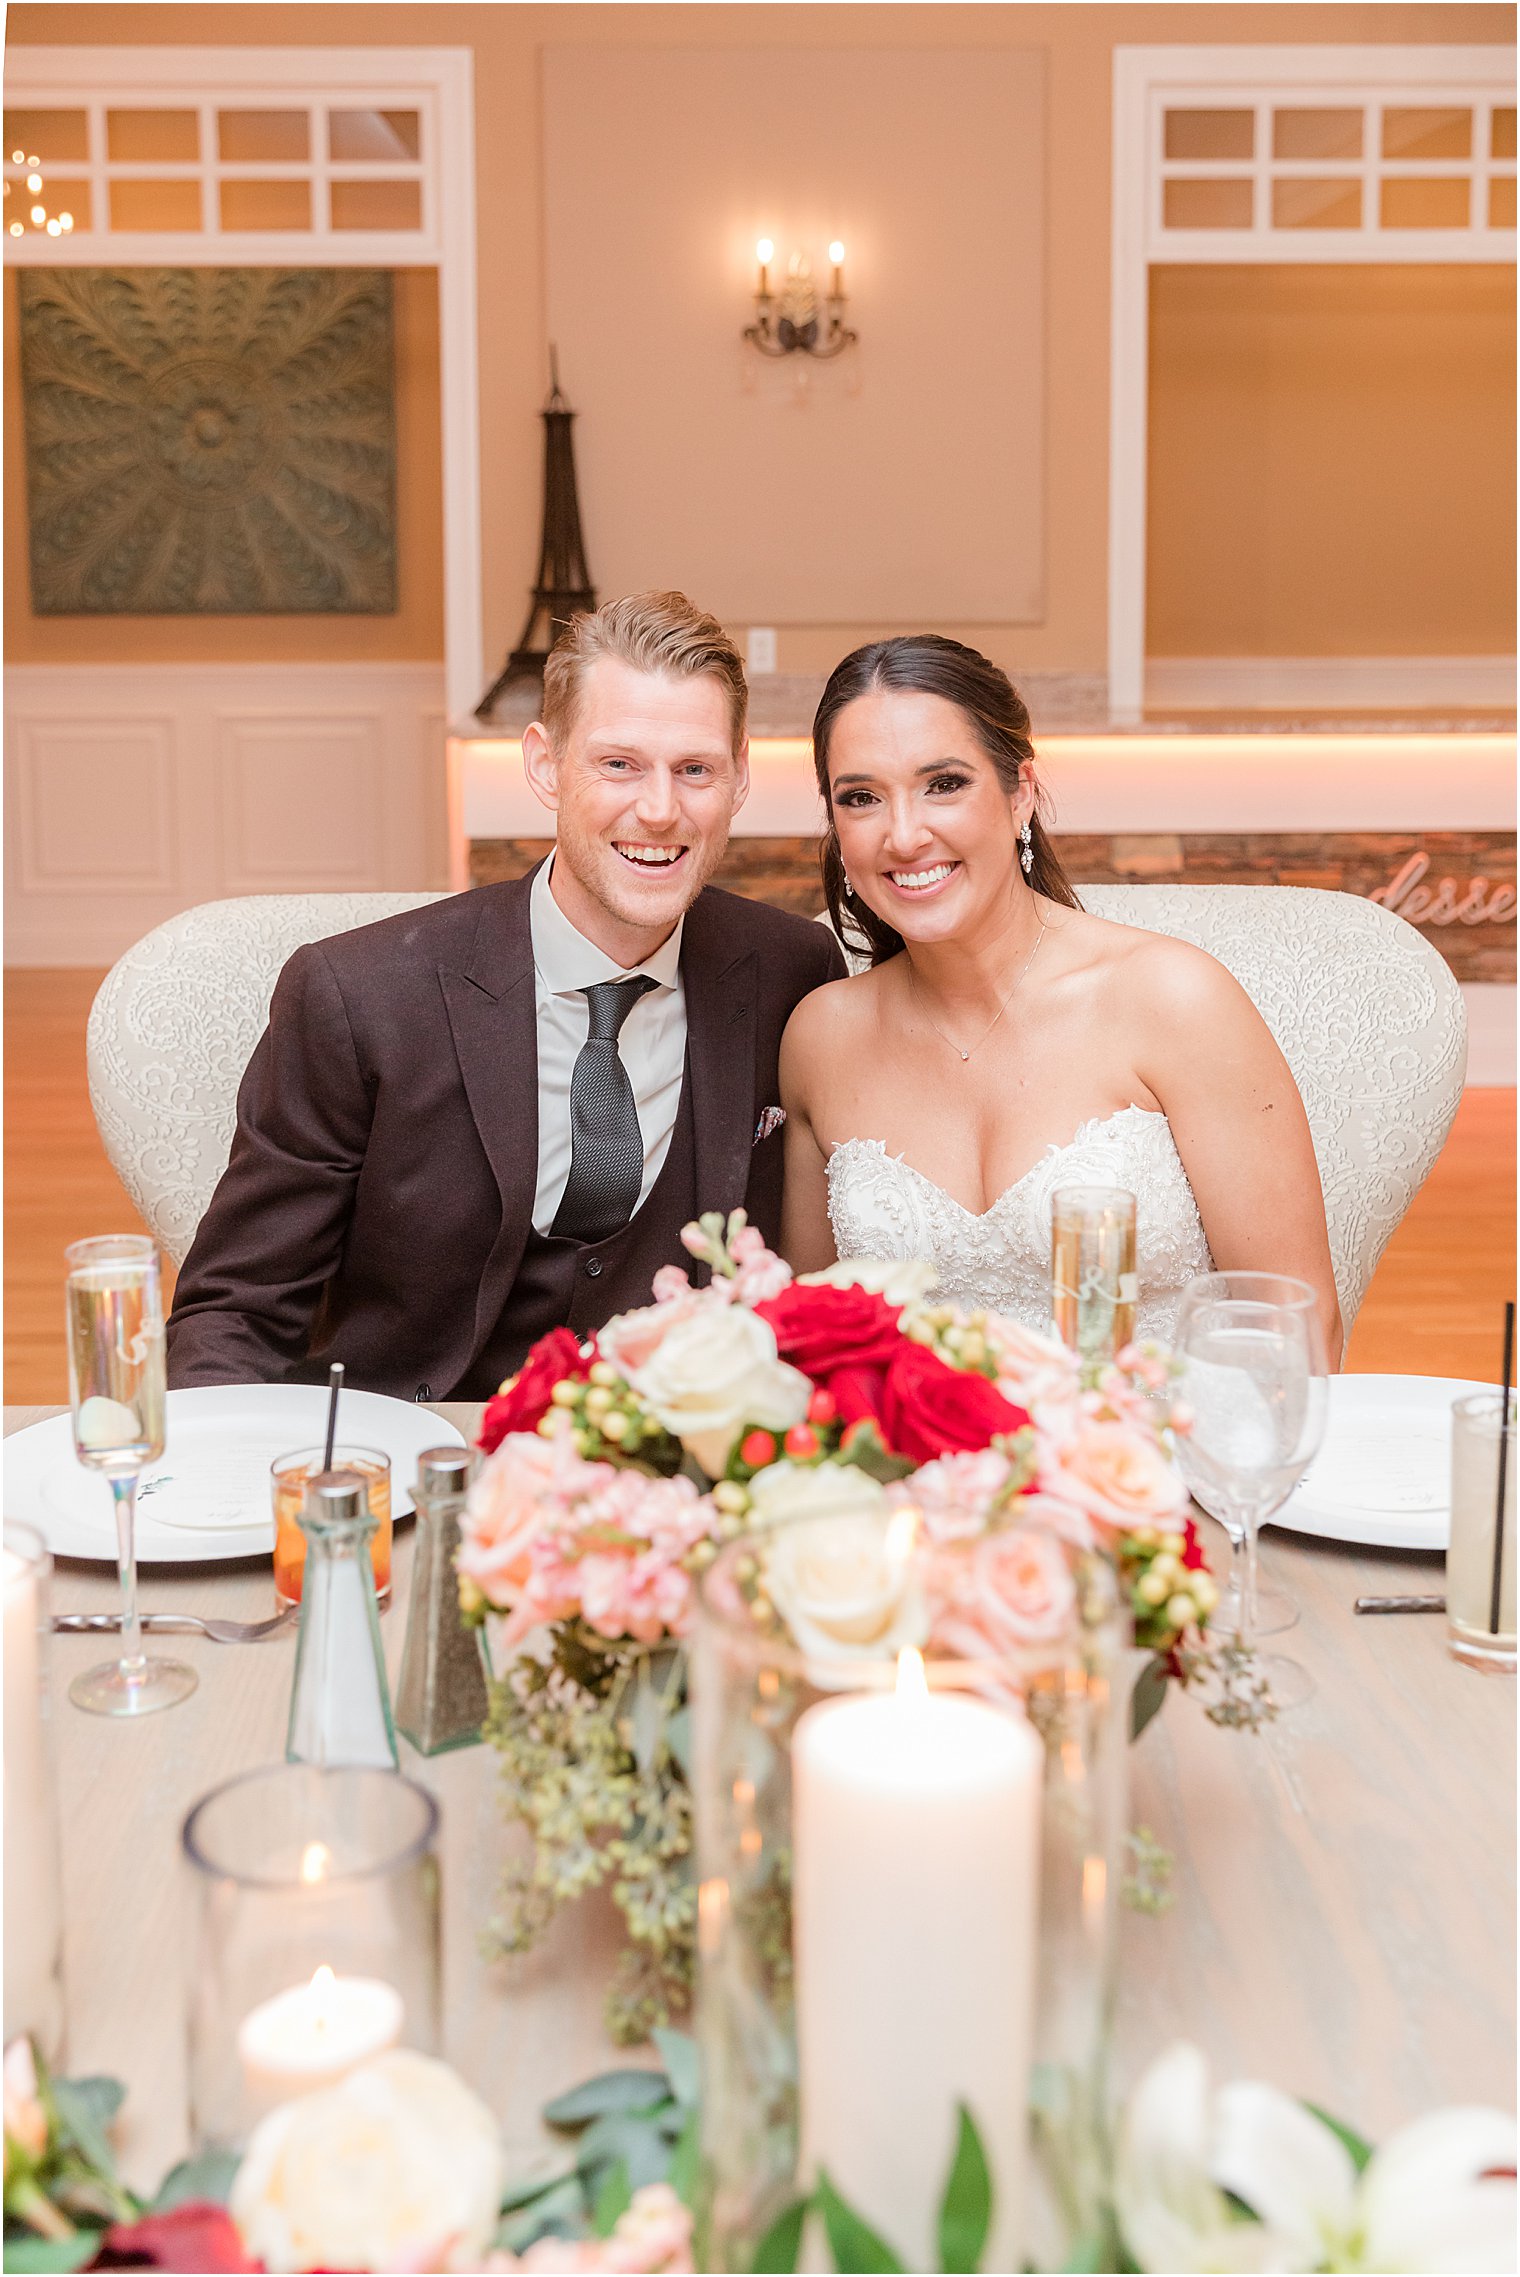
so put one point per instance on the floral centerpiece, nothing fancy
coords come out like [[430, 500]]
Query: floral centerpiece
[[616, 1469]]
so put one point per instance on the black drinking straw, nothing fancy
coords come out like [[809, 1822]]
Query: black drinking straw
[[1509, 1359], [335, 1385]]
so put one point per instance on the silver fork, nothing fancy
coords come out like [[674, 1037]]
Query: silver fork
[[221, 1632]]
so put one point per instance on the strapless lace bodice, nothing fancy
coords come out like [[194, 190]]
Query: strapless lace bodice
[[881, 1207]]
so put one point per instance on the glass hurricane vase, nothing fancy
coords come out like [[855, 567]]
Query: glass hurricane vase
[[906, 1901]]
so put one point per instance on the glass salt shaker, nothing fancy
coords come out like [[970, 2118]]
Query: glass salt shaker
[[340, 1708]]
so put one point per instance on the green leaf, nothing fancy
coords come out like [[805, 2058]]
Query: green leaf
[[856, 2248], [85, 2108], [678, 2053], [559, 2211], [776, 2254], [209, 2175], [678, 1739], [868, 1453], [965, 2213], [630, 2138], [613, 2200], [1357, 2150], [1149, 1696], [519, 2194], [686, 2159], [609, 2091], [41, 2253]]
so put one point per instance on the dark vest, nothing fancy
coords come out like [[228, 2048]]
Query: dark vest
[[579, 1284]]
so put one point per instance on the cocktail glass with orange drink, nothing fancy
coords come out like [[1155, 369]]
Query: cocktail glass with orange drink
[[289, 1475]]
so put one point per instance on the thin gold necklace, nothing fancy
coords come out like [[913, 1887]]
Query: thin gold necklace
[[1002, 1008]]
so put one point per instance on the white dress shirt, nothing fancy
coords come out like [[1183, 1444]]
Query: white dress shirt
[[651, 1043]]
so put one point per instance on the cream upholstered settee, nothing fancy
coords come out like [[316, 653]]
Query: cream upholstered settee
[[1367, 1013]]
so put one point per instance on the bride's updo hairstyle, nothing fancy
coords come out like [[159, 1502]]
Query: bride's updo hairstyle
[[925, 664]]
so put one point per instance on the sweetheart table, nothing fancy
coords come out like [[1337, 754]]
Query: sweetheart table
[[1342, 1921]]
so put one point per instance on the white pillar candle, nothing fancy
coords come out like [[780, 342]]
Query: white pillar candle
[[916, 1832], [33, 1909], [310, 2036]]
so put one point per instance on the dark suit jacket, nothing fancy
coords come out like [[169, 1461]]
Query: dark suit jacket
[[379, 1193]]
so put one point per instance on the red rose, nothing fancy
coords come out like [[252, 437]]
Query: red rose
[[1193, 1558], [929, 1409], [522, 1403], [197, 2236], [823, 1330], [857, 1395]]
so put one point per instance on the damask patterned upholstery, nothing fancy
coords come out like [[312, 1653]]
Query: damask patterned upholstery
[[1367, 1013]]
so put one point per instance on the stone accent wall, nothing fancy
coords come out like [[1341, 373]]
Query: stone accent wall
[[1456, 886]]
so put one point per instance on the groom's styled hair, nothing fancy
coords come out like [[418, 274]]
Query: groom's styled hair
[[654, 632]]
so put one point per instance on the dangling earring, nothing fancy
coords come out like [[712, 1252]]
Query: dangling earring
[[1026, 849], [849, 890]]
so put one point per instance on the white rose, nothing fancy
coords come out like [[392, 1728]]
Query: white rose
[[837, 1576], [713, 1374], [901, 1280], [815, 1490], [399, 2166]]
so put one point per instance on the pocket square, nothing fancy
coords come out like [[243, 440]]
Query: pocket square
[[771, 1120]]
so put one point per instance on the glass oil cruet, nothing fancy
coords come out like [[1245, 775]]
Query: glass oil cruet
[[340, 1707]]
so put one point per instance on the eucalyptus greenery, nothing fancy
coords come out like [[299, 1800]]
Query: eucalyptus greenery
[[594, 1745]]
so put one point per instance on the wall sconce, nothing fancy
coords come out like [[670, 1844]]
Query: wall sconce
[[796, 330]]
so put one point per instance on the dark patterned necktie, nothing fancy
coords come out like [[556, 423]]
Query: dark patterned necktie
[[606, 1144]]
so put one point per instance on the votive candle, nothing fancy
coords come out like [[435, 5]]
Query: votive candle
[[313, 2034]]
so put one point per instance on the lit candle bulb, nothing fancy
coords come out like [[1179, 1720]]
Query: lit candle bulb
[[65, 222], [836, 255], [39, 215], [764, 252], [34, 183]]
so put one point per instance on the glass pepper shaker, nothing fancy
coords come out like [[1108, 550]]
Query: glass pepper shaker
[[340, 1707], [441, 1697]]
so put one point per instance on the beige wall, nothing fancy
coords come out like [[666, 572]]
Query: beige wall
[[1332, 462], [413, 633], [508, 41]]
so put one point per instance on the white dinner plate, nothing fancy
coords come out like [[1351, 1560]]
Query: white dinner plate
[[1383, 1475], [208, 1496]]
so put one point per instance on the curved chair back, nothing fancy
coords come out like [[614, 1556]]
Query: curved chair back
[[174, 1025], [1367, 1014]]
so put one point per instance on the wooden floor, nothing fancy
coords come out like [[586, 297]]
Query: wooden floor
[[1435, 1307]]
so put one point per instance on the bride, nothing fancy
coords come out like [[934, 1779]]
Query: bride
[[1004, 1043]]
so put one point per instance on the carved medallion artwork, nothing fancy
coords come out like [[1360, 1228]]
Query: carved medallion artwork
[[209, 441]]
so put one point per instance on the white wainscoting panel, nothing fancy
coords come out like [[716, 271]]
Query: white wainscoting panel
[[95, 806], [133, 792]]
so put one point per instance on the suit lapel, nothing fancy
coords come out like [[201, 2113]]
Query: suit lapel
[[492, 1011], [720, 1044]]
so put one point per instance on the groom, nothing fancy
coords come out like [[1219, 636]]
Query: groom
[[487, 1118]]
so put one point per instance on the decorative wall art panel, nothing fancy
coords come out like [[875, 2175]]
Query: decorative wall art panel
[[210, 441]]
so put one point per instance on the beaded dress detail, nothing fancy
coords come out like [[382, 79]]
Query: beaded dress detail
[[880, 1206]]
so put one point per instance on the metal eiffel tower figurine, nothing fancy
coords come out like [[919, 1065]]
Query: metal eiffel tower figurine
[[564, 582]]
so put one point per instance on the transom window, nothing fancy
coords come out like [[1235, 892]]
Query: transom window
[[1391, 166], [155, 168]]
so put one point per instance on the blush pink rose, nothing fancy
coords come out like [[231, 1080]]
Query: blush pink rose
[[631, 1340], [1014, 1589], [1119, 1475]]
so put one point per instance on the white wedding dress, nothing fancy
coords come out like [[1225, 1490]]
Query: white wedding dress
[[880, 1206]]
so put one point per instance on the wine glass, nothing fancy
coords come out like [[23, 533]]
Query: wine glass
[[115, 1313], [1255, 1376]]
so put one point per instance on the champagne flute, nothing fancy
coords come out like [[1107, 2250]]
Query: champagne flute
[[1255, 1375], [116, 1392]]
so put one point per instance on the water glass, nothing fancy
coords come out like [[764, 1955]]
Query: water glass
[[115, 1317], [315, 1920], [1255, 1375], [1093, 1284], [1480, 1587], [289, 1477]]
